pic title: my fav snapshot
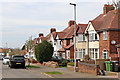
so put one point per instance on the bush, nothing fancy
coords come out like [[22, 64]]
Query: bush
[[44, 51], [71, 63], [62, 62]]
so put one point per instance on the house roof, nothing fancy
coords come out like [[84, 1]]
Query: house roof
[[61, 50], [82, 28], [69, 31], [107, 21], [48, 36], [42, 38], [69, 46]]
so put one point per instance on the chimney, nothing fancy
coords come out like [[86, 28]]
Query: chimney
[[41, 34], [107, 8], [52, 30], [71, 22]]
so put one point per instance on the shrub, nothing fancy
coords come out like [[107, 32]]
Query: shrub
[[44, 51]]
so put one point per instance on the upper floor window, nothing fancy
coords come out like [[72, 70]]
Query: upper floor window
[[93, 36], [81, 37], [64, 42], [105, 35], [71, 41]]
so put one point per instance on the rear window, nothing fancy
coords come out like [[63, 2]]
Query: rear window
[[6, 58], [18, 57]]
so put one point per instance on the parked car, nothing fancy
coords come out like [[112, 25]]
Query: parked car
[[17, 61], [6, 60], [61, 61], [56, 58]]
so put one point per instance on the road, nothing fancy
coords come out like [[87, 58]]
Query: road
[[20, 73]]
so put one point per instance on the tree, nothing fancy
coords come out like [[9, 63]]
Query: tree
[[5, 51], [44, 51], [16, 51], [30, 45]]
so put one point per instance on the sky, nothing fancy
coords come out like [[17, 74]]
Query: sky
[[21, 19]]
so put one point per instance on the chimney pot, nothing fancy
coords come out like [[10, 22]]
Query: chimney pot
[[107, 8], [41, 34], [71, 22], [52, 30]]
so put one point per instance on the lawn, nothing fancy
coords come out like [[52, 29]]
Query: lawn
[[53, 72], [31, 66]]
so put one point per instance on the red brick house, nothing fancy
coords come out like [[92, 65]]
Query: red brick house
[[107, 27]]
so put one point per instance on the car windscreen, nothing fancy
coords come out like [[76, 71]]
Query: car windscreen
[[18, 57], [6, 58]]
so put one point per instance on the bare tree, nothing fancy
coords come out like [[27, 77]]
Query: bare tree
[[29, 44]]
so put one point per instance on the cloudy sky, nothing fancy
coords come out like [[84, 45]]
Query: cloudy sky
[[21, 19]]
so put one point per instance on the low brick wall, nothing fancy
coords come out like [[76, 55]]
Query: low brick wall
[[71, 68], [50, 64], [86, 67]]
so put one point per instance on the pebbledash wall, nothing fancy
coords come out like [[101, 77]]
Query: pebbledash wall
[[107, 44]]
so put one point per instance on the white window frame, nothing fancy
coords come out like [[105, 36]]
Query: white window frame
[[105, 35], [103, 54], [71, 41], [92, 36], [80, 53], [93, 53], [63, 55], [81, 37], [68, 54]]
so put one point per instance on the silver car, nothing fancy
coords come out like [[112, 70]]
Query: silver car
[[6, 60]]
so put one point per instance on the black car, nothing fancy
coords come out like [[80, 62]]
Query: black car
[[17, 61]]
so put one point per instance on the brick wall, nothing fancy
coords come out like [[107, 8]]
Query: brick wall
[[86, 67], [106, 44], [72, 52]]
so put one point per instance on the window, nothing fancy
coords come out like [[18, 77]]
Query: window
[[81, 37], [105, 35], [94, 53], [68, 55], [93, 36], [105, 55], [64, 42], [63, 56], [71, 41], [60, 54], [82, 53]]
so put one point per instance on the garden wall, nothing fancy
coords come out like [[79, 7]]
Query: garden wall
[[86, 67]]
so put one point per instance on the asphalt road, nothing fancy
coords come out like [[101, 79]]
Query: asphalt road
[[20, 73]]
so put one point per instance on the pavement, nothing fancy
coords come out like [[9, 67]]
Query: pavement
[[70, 74], [40, 73]]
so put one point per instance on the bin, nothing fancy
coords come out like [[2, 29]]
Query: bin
[[107, 63], [111, 66], [115, 66]]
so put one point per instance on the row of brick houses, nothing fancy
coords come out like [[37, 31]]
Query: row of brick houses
[[98, 38]]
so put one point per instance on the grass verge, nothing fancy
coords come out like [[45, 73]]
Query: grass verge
[[31, 66], [110, 73], [53, 72]]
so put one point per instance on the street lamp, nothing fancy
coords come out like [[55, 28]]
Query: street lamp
[[75, 35]]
